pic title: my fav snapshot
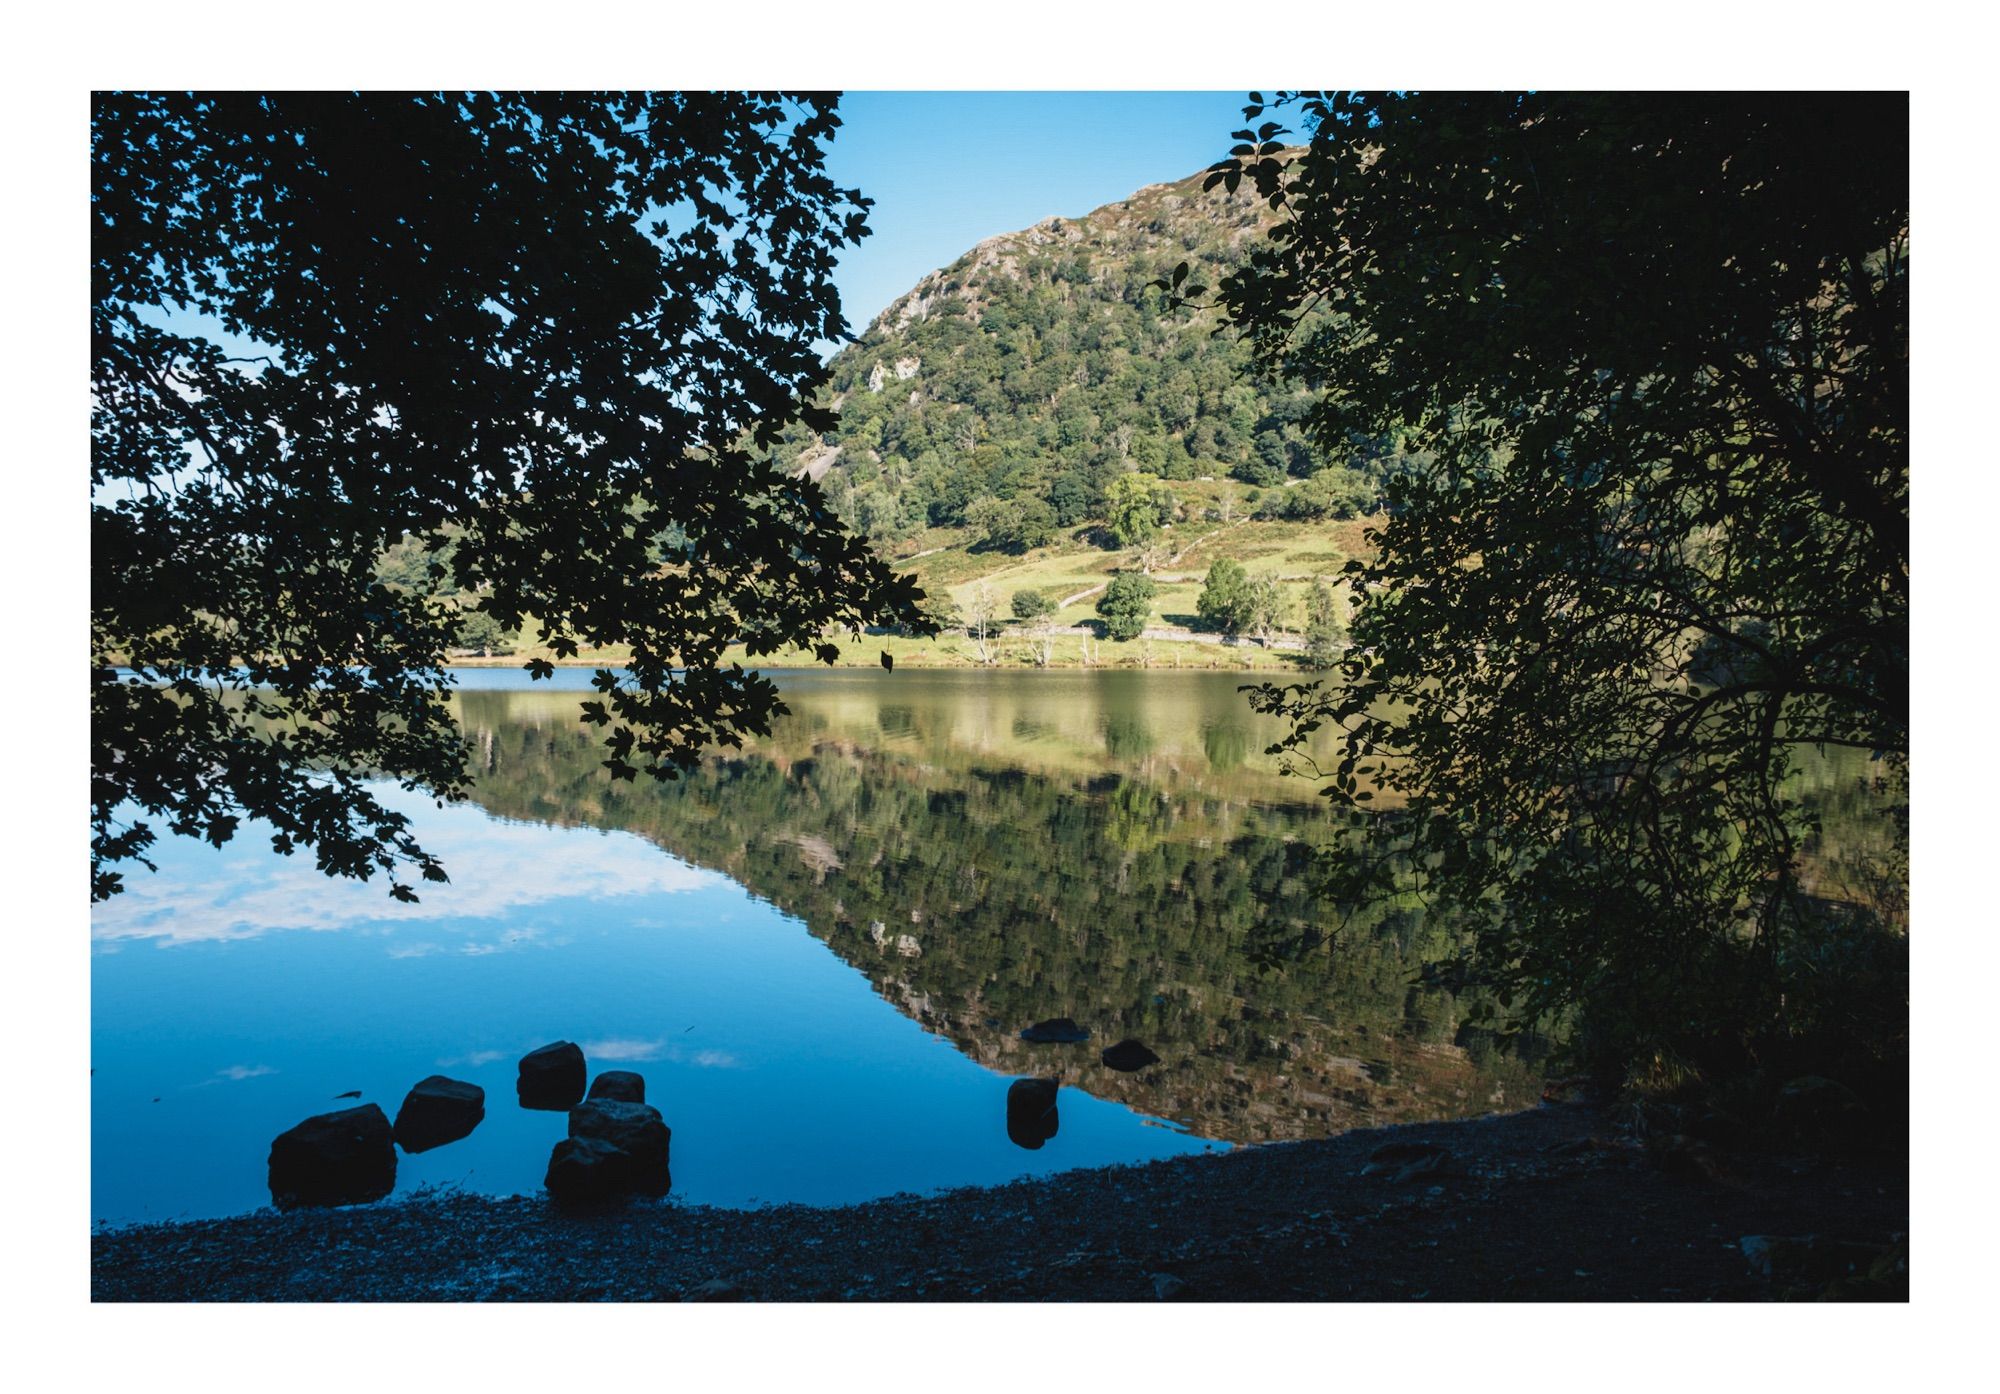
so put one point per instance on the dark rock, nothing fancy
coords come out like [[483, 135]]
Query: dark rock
[[1057, 1031], [339, 1158], [1031, 1112], [714, 1290], [552, 1077], [436, 1111], [587, 1171], [1129, 1056], [621, 1086], [636, 1143], [1167, 1287]]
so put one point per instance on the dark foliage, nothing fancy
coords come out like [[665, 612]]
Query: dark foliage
[[556, 331], [1653, 352]]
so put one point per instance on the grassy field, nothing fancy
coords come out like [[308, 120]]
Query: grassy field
[[949, 563]]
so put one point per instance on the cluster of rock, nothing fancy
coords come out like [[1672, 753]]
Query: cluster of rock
[[617, 1144], [1031, 1103]]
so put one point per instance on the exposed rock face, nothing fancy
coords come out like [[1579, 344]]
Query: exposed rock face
[[1031, 1112], [1128, 1056], [613, 1150], [436, 1111], [341, 1158], [619, 1086], [552, 1077], [1057, 1031]]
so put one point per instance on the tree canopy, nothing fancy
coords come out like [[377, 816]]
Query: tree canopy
[[1650, 353], [554, 334]]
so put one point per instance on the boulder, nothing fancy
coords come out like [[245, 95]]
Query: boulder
[[1058, 1031], [614, 1149], [621, 1086], [587, 1171], [436, 1111], [341, 1158], [1031, 1112], [1128, 1056], [552, 1077], [715, 1290]]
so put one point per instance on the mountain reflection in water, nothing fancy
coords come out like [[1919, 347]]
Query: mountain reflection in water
[[995, 849]]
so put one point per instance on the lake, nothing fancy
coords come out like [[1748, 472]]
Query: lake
[[819, 951]]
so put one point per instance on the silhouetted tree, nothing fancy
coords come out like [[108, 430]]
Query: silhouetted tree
[[549, 329], [1650, 354]]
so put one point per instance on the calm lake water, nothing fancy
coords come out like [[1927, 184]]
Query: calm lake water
[[819, 951]]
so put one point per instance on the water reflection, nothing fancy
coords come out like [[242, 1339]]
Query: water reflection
[[994, 850]]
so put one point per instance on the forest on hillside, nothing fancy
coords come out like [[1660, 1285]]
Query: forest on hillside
[[1007, 392]]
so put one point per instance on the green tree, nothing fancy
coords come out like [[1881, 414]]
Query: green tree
[[1325, 630], [1265, 609], [1031, 605], [1650, 354], [481, 633], [1224, 602], [1126, 605], [538, 328], [1135, 505]]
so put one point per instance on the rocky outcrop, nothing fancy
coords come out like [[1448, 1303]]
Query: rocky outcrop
[[436, 1111], [552, 1077], [613, 1150], [342, 1158]]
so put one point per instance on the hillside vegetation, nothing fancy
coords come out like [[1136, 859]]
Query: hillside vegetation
[[1035, 419]]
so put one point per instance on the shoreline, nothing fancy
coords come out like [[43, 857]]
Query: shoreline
[[1551, 1204]]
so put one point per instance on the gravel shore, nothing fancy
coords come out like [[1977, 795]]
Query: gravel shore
[[1549, 1205]]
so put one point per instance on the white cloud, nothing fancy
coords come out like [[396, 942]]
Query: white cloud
[[624, 1049], [245, 890]]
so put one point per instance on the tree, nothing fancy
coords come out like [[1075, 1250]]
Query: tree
[[1127, 603], [1224, 602], [1650, 355], [1013, 525], [541, 330], [981, 605], [1031, 605], [1264, 608], [1135, 505], [1324, 629], [481, 633]]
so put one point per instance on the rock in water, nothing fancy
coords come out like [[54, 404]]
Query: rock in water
[[1129, 1056], [586, 1171], [613, 1150], [552, 1077], [622, 1086], [436, 1111], [1031, 1112], [715, 1290], [339, 1158], [1058, 1031]]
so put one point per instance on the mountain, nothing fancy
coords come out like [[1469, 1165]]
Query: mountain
[[1041, 365]]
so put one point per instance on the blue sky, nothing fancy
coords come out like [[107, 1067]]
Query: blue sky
[[948, 169]]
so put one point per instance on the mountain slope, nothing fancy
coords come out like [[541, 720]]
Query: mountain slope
[[1039, 366]]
